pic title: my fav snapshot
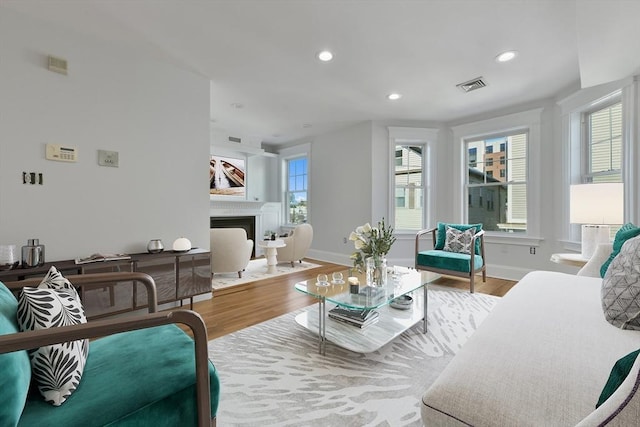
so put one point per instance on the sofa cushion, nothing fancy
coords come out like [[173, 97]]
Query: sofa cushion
[[621, 287], [16, 370], [618, 374], [458, 241], [57, 368], [441, 234], [157, 368], [626, 232], [448, 260]]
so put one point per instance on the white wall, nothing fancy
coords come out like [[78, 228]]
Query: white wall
[[154, 114], [340, 193]]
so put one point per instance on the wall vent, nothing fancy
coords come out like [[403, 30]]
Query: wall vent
[[473, 84], [57, 65], [235, 139]]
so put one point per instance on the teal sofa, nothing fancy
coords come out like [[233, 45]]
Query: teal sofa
[[144, 371]]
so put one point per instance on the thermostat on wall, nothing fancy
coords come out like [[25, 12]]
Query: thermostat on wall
[[61, 153]]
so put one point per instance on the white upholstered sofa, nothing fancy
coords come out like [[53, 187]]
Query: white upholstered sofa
[[541, 358]]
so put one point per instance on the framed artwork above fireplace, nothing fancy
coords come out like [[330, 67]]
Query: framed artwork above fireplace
[[227, 177]]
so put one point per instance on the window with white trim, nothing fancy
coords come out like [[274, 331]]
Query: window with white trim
[[296, 190], [409, 188], [496, 182], [410, 178], [602, 139]]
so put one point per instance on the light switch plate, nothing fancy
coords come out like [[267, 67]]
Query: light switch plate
[[108, 158]]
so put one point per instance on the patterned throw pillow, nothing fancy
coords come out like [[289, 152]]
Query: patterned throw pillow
[[458, 241], [57, 368], [621, 287], [626, 232]]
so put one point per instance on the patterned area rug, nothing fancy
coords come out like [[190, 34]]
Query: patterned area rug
[[257, 270], [272, 374]]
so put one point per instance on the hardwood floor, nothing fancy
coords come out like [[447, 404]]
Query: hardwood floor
[[252, 303]]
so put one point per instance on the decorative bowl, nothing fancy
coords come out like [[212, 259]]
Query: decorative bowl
[[403, 302]]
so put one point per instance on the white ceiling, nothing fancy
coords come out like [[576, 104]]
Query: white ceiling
[[261, 54]]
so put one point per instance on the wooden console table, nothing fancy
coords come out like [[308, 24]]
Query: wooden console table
[[178, 276]]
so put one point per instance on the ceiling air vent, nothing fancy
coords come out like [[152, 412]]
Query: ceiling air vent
[[473, 84], [235, 139]]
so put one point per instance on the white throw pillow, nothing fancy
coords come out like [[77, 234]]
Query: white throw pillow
[[621, 287], [56, 369], [458, 241]]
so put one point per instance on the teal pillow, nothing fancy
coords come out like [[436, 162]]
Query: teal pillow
[[16, 368], [625, 233], [441, 234], [618, 374]]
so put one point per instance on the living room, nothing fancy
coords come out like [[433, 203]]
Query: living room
[[153, 107], [157, 116]]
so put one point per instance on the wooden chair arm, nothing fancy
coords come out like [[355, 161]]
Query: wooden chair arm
[[100, 328], [98, 280]]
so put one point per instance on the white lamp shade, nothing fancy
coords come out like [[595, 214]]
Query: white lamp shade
[[182, 244], [601, 203]]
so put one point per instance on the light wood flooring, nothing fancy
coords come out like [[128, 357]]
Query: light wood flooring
[[252, 303]]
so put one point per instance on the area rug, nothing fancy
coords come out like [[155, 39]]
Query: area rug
[[257, 270], [272, 374]]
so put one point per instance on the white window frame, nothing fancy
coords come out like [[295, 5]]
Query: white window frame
[[572, 110], [425, 137], [526, 121], [293, 153]]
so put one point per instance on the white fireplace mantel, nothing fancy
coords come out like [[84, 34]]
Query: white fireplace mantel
[[268, 214]]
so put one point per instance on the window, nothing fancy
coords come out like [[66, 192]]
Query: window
[[296, 193], [504, 187], [603, 144], [473, 156], [409, 187]]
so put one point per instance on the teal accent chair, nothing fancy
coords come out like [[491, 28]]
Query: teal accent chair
[[144, 371], [440, 261]]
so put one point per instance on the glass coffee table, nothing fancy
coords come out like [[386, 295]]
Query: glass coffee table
[[391, 321]]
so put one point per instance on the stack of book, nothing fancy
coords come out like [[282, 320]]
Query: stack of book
[[355, 317]]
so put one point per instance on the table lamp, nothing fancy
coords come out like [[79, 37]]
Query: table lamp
[[595, 206]]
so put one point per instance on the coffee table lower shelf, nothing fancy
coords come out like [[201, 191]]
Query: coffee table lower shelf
[[390, 324]]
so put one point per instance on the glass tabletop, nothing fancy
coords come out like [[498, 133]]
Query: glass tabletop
[[401, 281]]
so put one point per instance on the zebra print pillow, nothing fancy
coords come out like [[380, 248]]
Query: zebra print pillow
[[57, 368]]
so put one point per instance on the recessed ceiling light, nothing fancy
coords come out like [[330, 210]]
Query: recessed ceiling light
[[507, 56], [394, 96], [325, 56]]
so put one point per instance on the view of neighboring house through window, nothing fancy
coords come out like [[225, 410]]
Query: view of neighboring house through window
[[604, 144], [409, 187], [602, 139], [497, 182], [297, 183]]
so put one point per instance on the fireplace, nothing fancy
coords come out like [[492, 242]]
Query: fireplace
[[246, 222]]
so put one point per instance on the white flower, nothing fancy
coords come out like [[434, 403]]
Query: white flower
[[353, 236], [366, 228], [360, 229], [359, 244]]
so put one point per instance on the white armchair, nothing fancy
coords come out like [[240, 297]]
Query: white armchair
[[230, 250], [298, 243]]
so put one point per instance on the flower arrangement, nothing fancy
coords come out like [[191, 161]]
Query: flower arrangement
[[371, 242]]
